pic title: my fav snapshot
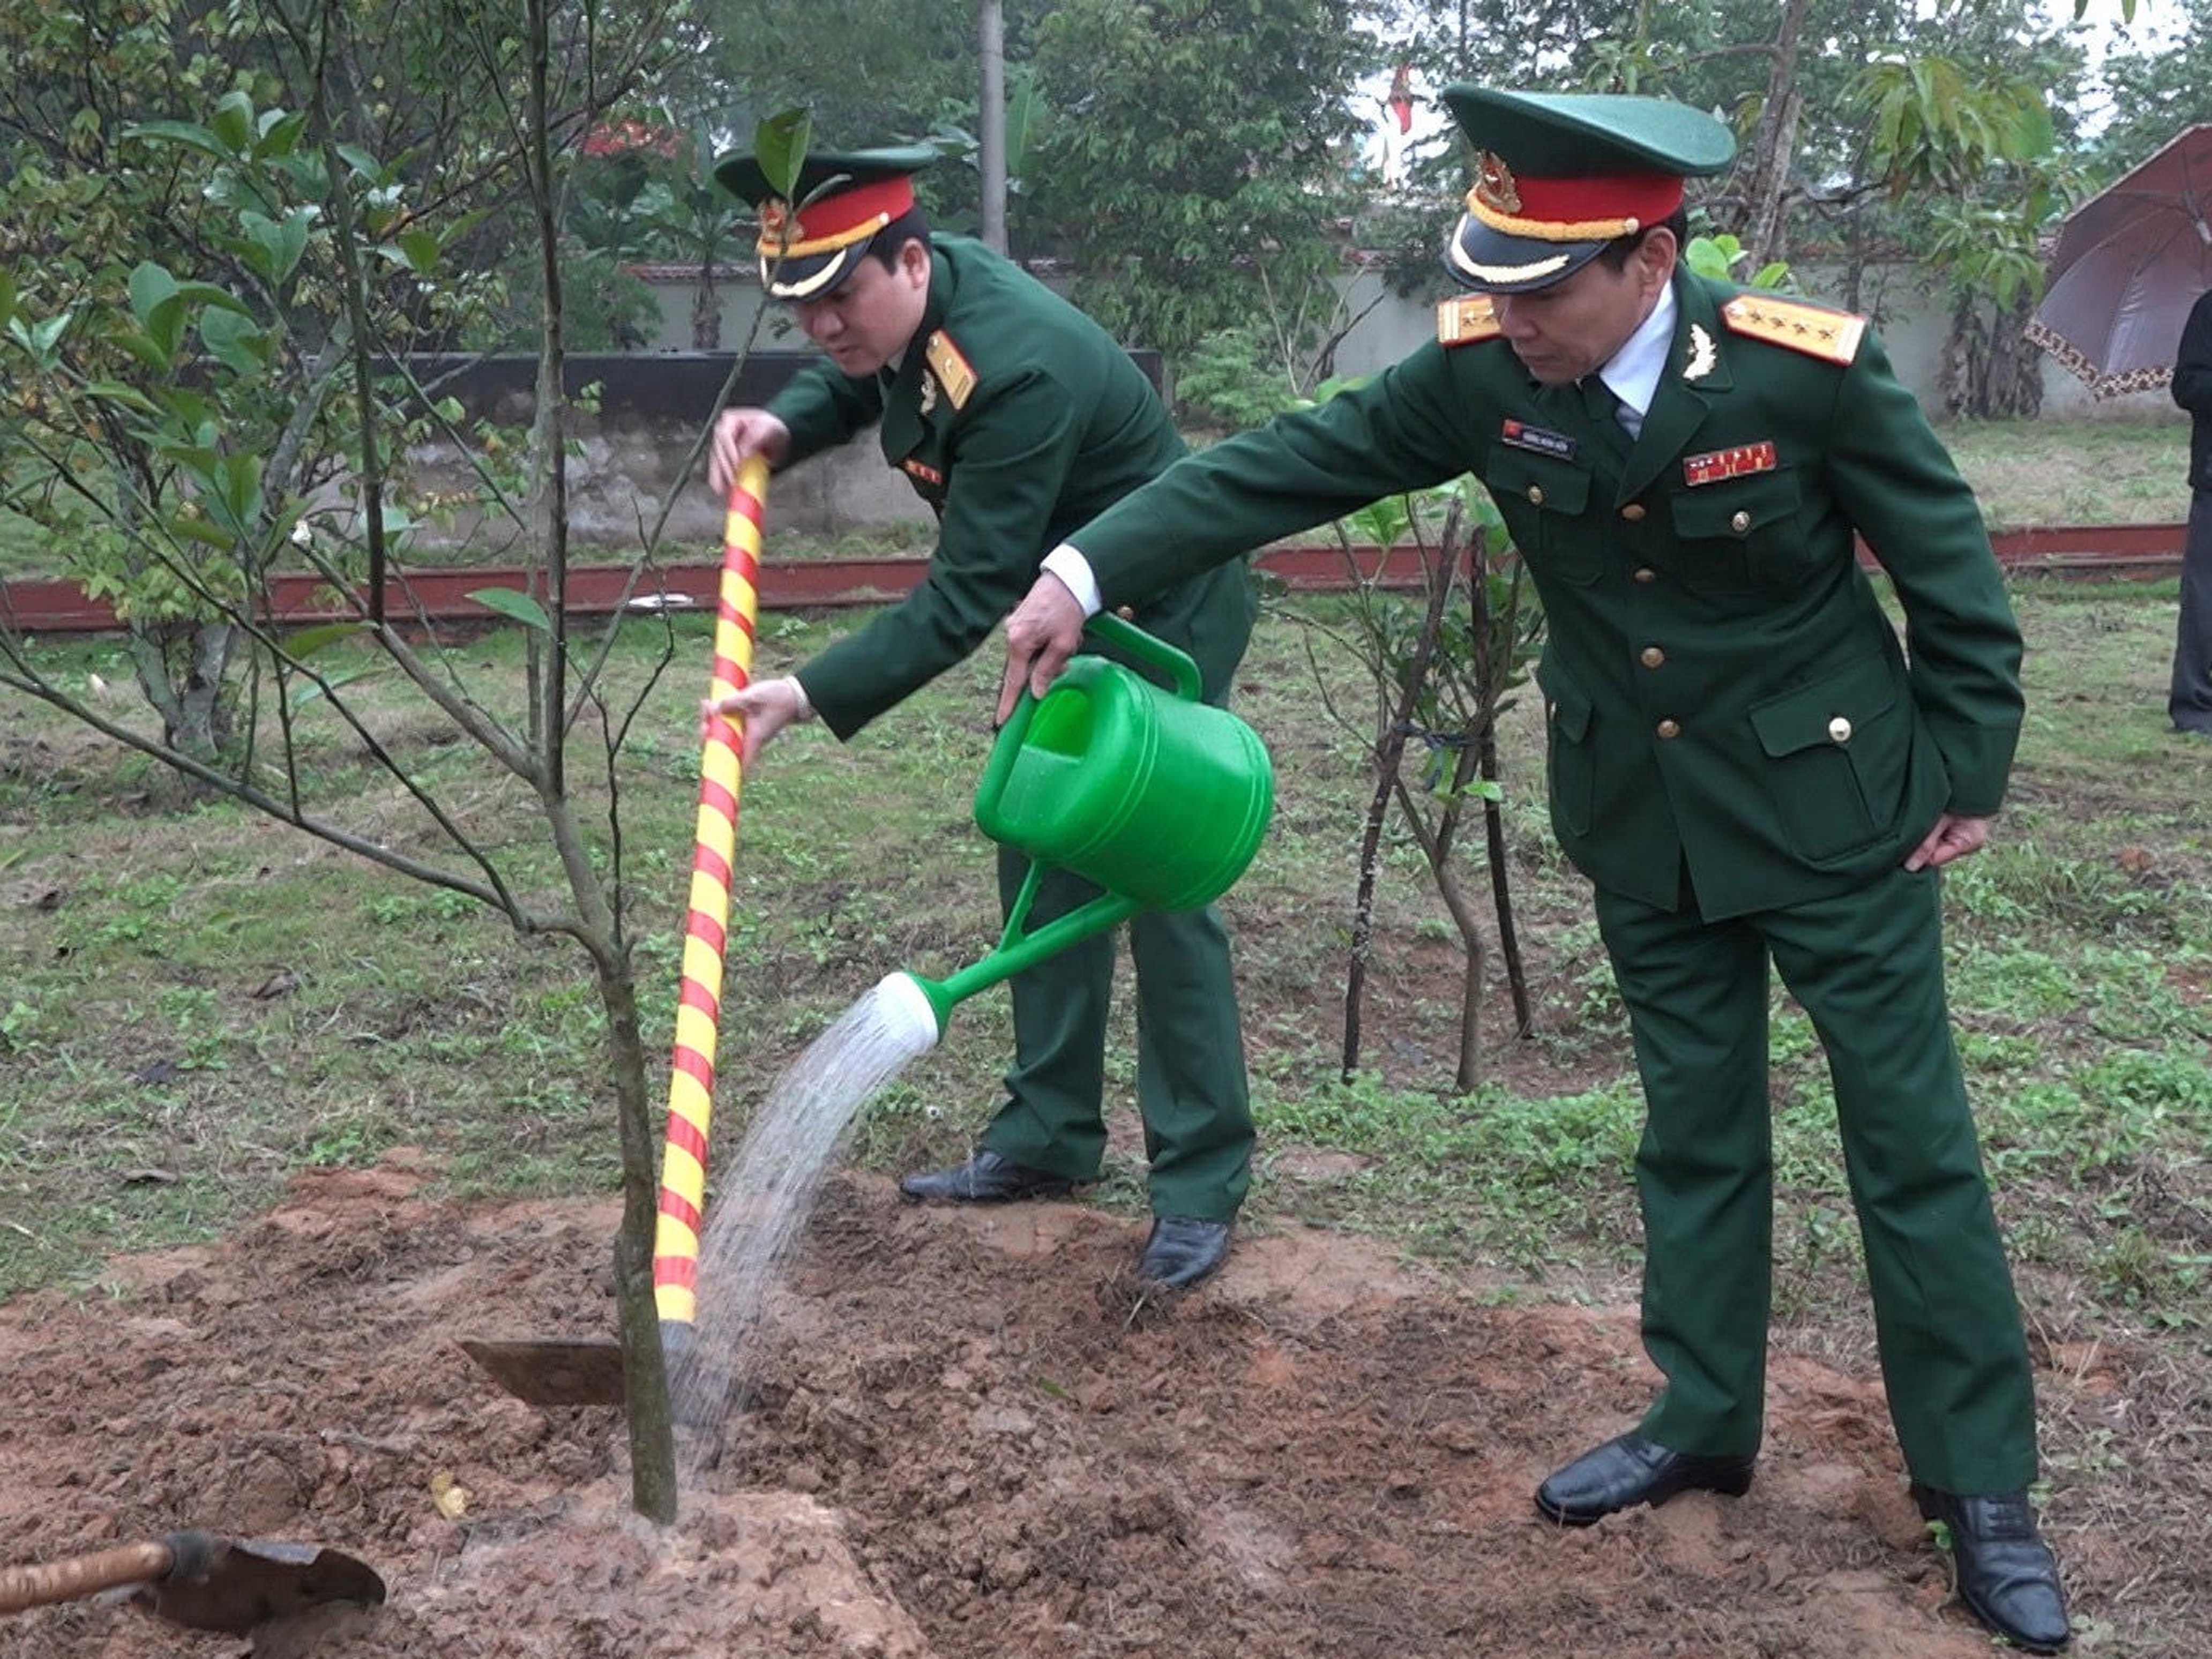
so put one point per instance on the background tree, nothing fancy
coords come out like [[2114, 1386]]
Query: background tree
[[217, 388], [1967, 147], [2156, 87], [1194, 159]]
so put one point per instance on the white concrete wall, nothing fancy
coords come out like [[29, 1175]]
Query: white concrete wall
[[625, 466], [1912, 326]]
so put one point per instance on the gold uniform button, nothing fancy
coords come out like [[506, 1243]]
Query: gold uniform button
[[1535, 494], [1651, 656], [1633, 512], [1839, 730], [1645, 574], [1740, 523], [1670, 728], [1126, 612]]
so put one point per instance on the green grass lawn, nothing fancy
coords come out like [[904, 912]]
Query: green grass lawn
[[2132, 470], [200, 1003]]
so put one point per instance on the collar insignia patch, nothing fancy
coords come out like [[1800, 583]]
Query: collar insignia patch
[[929, 391], [1717, 464], [1703, 358], [1522, 435]]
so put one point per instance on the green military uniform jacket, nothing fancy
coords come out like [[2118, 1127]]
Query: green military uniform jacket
[[1017, 418], [1724, 692]]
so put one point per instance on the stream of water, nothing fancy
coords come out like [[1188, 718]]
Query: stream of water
[[764, 1196]]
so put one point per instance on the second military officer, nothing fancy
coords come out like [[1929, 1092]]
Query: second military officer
[[1016, 419]]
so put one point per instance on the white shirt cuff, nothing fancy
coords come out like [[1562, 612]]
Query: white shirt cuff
[[805, 703], [1075, 572]]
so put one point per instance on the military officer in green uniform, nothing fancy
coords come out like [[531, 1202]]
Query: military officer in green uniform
[[1016, 419], [1741, 758]]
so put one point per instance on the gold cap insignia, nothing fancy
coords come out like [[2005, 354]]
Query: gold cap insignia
[[774, 220], [1493, 186]]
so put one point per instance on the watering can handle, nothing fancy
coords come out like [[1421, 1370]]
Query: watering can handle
[[1124, 637], [1150, 648]]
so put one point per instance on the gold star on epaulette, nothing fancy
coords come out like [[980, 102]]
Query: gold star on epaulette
[[1831, 335]]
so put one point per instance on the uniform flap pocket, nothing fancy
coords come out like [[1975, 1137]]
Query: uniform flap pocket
[[1565, 707], [1738, 506], [1543, 480], [1828, 711]]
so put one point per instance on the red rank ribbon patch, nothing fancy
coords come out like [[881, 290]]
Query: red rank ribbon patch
[[928, 475], [1730, 463]]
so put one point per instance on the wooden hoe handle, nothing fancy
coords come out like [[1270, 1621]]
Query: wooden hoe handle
[[83, 1575]]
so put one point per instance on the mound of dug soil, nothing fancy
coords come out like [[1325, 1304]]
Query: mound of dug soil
[[967, 1439]]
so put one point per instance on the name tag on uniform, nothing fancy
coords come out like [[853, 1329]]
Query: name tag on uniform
[[1721, 464], [928, 475], [1522, 435]]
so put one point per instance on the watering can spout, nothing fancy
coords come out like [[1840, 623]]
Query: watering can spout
[[917, 1009]]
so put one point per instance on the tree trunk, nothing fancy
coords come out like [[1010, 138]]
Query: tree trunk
[[1509, 936], [1774, 146], [195, 712], [645, 1369], [1484, 624], [1989, 371], [1435, 847], [706, 310], [1389, 752]]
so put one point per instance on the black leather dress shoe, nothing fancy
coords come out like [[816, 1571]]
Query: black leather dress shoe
[[1631, 1470], [1183, 1250], [2007, 1577], [985, 1178]]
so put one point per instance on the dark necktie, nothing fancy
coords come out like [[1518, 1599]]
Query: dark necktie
[[1604, 410]]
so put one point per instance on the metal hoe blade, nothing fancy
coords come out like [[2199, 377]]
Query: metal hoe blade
[[554, 1373]]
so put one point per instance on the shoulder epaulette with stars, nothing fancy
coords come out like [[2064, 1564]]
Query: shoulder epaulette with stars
[[1462, 321], [954, 372], [1831, 335]]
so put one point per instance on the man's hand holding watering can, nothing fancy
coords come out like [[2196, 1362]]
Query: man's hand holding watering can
[[766, 708], [1043, 632]]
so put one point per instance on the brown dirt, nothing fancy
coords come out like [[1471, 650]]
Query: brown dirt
[[969, 1440]]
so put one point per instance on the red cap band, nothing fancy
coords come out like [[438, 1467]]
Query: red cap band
[[833, 222], [1590, 209]]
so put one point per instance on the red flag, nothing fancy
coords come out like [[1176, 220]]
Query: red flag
[[1401, 100]]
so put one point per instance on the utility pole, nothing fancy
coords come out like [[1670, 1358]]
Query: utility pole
[[991, 29]]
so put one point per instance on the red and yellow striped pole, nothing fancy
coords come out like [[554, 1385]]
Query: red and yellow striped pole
[[698, 1009]]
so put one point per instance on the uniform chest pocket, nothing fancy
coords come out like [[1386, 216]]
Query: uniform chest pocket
[[1750, 522], [1544, 498]]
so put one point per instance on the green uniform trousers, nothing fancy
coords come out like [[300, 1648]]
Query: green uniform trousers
[[1191, 1087], [1866, 966]]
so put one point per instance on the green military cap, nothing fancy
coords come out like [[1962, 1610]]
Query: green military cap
[[807, 247], [1559, 175]]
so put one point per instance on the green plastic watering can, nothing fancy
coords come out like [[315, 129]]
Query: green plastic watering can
[[1154, 796]]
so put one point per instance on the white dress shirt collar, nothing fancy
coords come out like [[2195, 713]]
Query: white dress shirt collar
[[1633, 371]]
